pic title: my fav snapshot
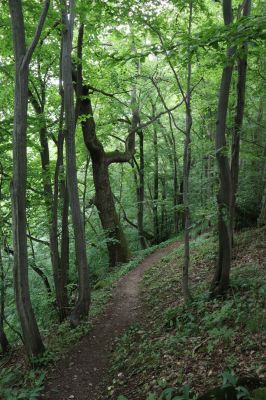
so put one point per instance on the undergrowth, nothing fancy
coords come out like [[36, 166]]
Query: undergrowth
[[191, 344], [27, 383]]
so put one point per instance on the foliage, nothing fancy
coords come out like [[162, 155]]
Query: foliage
[[145, 45], [173, 347], [15, 384]]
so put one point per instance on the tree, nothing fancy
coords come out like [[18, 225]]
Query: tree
[[239, 114], [59, 262], [3, 339], [31, 335], [116, 242], [224, 198], [82, 306], [186, 168]]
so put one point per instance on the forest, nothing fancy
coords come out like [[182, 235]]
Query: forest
[[132, 199]]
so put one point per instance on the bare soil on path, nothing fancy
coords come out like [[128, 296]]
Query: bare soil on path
[[83, 373]]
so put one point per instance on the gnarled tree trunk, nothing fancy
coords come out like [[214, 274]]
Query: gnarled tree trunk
[[117, 246]]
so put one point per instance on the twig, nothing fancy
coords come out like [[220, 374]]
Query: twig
[[199, 345]]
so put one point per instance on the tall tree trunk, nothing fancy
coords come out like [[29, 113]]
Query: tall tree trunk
[[61, 195], [31, 335], [64, 259], [117, 245], [262, 216], [224, 199], [156, 231], [186, 171], [176, 195], [164, 231], [141, 191], [81, 308], [60, 271], [84, 195], [238, 120], [171, 143], [116, 242], [3, 339]]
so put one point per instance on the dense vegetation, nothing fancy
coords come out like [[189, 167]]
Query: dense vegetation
[[124, 124]]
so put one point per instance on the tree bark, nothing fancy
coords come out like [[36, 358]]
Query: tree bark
[[140, 192], [186, 172], [220, 282], [262, 216], [116, 242], [35, 267], [156, 231], [81, 308], [141, 169], [117, 245], [164, 227], [238, 120], [3, 339], [60, 271], [31, 335]]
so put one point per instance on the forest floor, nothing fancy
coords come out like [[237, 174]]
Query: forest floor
[[83, 373], [196, 346]]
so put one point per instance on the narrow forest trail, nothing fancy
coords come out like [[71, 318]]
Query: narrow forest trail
[[83, 373]]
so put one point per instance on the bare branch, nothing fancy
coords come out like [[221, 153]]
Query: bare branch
[[112, 95], [118, 156]]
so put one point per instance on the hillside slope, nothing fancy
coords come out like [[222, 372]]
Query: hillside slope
[[178, 344]]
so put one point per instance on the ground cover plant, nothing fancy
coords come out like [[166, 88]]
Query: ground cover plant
[[125, 124], [193, 343]]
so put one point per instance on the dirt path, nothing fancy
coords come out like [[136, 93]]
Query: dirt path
[[82, 374]]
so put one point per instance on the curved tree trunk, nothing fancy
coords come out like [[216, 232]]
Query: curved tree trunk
[[116, 242], [31, 335], [81, 308], [117, 246]]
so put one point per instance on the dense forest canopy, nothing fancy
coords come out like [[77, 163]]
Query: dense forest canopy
[[122, 124]]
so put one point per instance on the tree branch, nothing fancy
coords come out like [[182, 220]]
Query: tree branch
[[32, 46], [118, 156]]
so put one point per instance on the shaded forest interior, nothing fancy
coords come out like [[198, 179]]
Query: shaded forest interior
[[124, 125]]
